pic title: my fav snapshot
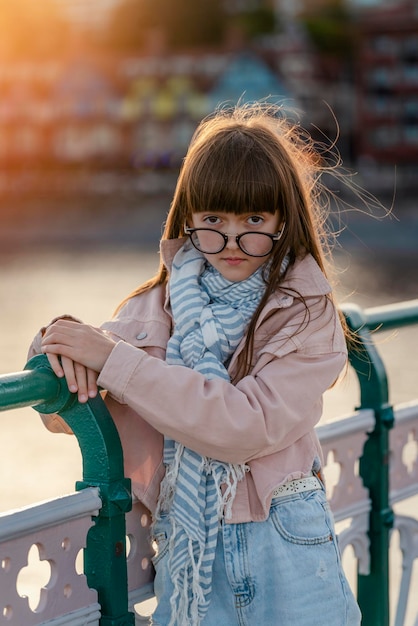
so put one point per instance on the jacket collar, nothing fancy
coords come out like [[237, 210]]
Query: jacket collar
[[303, 279], [306, 278], [169, 249]]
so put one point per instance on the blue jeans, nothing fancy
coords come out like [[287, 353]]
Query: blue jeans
[[285, 571]]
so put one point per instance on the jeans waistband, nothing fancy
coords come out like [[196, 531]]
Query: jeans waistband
[[310, 483]]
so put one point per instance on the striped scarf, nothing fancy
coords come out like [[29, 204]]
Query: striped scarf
[[210, 316]]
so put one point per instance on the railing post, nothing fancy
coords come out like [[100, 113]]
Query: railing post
[[105, 555], [373, 589]]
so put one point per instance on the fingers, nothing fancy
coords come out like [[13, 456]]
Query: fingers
[[86, 382], [92, 387], [55, 364], [80, 379], [76, 377]]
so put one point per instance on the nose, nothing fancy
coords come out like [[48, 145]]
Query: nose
[[232, 241]]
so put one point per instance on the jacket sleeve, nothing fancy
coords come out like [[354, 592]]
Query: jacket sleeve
[[144, 327], [263, 413]]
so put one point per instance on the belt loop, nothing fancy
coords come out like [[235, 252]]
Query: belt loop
[[320, 476]]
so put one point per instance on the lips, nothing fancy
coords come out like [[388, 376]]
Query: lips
[[233, 260]]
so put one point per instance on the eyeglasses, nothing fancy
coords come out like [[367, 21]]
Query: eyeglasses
[[210, 241]]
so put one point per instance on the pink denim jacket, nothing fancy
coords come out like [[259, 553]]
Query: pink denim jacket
[[266, 420]]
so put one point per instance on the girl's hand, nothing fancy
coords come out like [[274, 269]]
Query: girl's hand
[[79, 378], [83, 350]]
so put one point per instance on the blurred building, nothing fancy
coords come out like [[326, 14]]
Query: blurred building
[[129, 112], [387, 81], [140, 111]]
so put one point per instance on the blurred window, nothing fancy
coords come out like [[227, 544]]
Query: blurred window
[[411, 135], [71, 142], [380, 105], [382, 75], [410, 108], [152, 144], [182, 133], [105, 139], [410, 73], [212, 64], [384, 137], [385, 45], [410, 49], [26, 140], [182, 65]]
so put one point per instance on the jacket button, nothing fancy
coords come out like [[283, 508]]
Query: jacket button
[[141, 336]]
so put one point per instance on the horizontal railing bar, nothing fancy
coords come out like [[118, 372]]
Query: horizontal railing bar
[[29, 519], [87, 615], [385, 317], [353, 510], [406, 412], [390, 316], [402, 494], [135, 596], [359, 422], [28, 388]]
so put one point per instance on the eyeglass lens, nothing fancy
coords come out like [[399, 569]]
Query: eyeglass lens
[[253, 244]]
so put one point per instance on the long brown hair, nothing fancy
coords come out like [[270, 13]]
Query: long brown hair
[[253, 158]]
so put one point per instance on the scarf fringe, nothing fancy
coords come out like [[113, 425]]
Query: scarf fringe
[[187, 604]]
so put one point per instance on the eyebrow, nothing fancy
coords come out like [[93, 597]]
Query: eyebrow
[[215, 212]]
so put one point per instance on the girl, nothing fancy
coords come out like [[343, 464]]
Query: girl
[[215, 371]]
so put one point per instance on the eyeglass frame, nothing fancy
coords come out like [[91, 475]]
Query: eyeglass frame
[[273, 236]]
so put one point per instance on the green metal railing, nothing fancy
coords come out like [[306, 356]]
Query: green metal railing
[[373, 589], [105, 554]]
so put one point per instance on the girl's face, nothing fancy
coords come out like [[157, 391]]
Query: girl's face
[[233, 262]]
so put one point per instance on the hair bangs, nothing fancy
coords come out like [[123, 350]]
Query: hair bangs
[[234, 176]]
